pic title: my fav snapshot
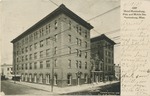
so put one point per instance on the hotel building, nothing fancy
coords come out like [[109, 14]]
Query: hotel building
[[57, 46], [102, 58]]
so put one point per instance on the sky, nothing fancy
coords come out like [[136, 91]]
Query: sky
[[19, 15]]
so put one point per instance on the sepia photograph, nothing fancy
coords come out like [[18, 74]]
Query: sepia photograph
[[60, 47]]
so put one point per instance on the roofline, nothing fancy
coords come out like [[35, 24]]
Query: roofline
[[61, 9], [111, 41]]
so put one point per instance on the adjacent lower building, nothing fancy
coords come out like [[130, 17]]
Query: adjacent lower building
[[57, 48], [6, 71], [102, 59], [117, 72]]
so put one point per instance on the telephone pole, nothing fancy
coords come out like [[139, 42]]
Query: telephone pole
[[53, 53]]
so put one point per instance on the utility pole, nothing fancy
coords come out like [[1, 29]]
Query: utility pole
[[53, 53]]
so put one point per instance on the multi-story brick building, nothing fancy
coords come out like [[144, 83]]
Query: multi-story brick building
[[60, 41], [102, 55]]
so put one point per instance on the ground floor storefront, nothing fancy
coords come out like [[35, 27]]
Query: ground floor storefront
[[68, 80], [99, 76]]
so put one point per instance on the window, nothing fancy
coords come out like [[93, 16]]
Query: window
[[69, 38], [30, 56], [55, 63], [22, 50], [47, 78], [69, 24], [85, 65], [85, 34], [69, 79], [7, 69], [30, 47], [30, 77], [76, 63], [41, 32], [77, 51], [22, 41], [41, 43], [85, 54], [30, 65], [47, 63], [35, 65], [77, 41], [48, 52], [109, 54], [55, 79], [48, 41], [56, 24], [30, 38], [80, 53], [77, 29], [26, 39], [55, 51], [35, 35], [85, 44], [46, 29], [35, 55], [26, 66], [26, 49], [109, 60], [69, 63], [22, 66], [80, 65], [41, 54], [56, 37], [41, 64], [22, 58], [80, 42], [35, 45], [86, 78], [26, 57], [49, 28], [69, 50], [80, 30], [17, 52], [41, 78]]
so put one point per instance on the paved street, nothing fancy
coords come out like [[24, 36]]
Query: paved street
[[24, 88], [10, 88], [113, 89]]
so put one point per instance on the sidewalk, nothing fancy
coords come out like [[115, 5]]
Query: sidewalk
[[69, 89]]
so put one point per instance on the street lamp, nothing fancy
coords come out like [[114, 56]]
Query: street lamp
[[78, 76]]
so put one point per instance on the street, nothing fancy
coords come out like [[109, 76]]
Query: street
[[9, 88], [113, 89]]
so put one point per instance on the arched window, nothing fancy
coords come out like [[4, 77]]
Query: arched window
[[35, 78], [86, 78], [41, 78], [69, 79], [47, 78], [26, 77], [30, 78], [55, 79]]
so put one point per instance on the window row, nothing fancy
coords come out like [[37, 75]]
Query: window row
[[34, 65], [77, 28], [34, 56], [40, 78], [42, 64], [108, 60], [109, 68], [37, 34], [107, 53], [79, 53]]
